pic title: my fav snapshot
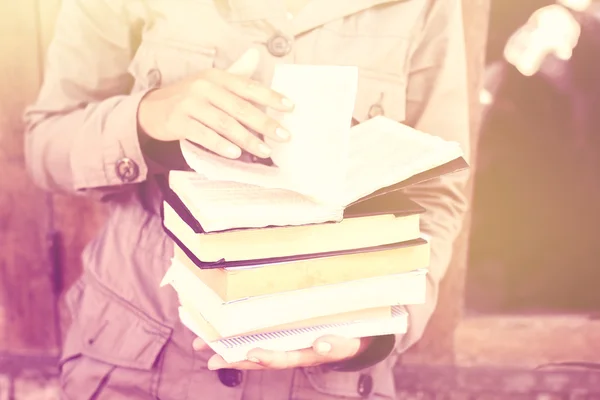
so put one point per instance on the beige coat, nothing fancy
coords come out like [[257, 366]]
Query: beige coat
[[126, 341]]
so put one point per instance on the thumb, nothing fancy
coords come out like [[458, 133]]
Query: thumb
[[336, 347], [199, 344], [247, 64]]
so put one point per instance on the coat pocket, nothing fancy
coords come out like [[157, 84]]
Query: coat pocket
[[380, 94], [374, 383], [109, 344]]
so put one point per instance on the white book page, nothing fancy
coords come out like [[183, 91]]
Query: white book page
[[316, 157], [225, 205], [384, 152], [314, 161]]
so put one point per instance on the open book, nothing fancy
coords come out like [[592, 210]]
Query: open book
[[327, 166], [326, 160], [384, 156], [381, 153]]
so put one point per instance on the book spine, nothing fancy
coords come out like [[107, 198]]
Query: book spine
[[175, 202]]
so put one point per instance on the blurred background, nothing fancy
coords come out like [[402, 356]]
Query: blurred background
[[519, 312], [536, 210]]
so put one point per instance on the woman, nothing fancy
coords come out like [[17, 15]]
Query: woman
[[126, 79]]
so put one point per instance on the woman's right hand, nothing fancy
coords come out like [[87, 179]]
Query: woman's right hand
[[217, 110]]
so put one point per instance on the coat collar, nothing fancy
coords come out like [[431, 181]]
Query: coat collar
[[314, 14]]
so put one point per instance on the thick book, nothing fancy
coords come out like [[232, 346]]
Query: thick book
[[250, 314], [377, 221], [235, 349], [234, 283]]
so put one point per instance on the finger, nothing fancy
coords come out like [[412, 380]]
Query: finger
[[227, 127], [217, 362], [336, 348], [199, 345], [284, 360], [209, 139], [246, 65], [251, 90], [249, 115], [268, 360], [325, 350]]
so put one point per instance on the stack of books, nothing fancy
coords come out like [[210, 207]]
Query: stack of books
[[259, 264], [269, 268]]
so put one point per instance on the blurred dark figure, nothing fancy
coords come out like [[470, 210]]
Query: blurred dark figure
[[536, 225]]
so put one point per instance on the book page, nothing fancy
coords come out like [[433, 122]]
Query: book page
[[223, 205], [384, 152], [316, 158], [314, 161]]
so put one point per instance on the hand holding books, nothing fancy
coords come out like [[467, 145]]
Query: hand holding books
[[325, 350], [273, 264]]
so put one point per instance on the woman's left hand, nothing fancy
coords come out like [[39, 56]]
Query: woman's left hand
[[327, 349]]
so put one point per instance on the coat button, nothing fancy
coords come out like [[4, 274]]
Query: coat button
[[154, 78], [230, 377], [365, 385], [376, 110], [127, 170], [279, 45]]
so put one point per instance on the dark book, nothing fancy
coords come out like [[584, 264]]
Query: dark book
[[385, 219]]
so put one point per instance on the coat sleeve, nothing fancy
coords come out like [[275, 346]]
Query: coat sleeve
[[81, 133], [437, 103]]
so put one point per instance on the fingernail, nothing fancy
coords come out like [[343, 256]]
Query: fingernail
[[233, 152], [213, 366], [323, 348], [287, 103], [283, 133], [254, 360], [197, 344], [264, 150]]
